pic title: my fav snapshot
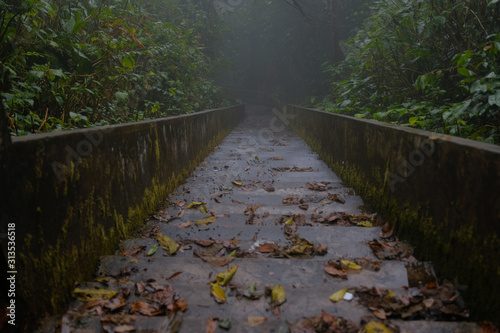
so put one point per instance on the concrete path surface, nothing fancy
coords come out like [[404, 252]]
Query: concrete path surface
[[264, 237]]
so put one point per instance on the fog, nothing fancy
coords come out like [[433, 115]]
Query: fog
[[281, 47]]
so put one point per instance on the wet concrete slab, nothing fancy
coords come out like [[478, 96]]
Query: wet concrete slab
[[258, 154]]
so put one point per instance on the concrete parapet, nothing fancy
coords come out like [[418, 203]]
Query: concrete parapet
[[441, 192]]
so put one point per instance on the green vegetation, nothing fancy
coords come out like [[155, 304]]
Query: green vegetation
[[76, 64], [433, 65]]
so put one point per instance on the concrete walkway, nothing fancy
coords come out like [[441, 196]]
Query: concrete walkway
[[265, 203]]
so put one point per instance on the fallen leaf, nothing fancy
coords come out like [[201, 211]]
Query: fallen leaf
[[204, 209], [369, 264], [144, 308], [337, 296], [237, 183], [267, 248], [268, 186], [336, 197], [93, 294], [179, 203], [304, 207], [225, 324], [278, 295], [218, 293], [225, 277], [132, 252], [374, 327], [195, 204], [153, 250], [366, 224], [255, 321], [350, 264], [185, 224], [211, 326], [206, 220], [167, 243], [335, 272], [123, 328], [380, 314], [173, 276]]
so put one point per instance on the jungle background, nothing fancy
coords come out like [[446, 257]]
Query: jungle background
[[429, 64]]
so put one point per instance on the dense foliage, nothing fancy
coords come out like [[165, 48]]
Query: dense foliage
[[67, 64], [432, 64]]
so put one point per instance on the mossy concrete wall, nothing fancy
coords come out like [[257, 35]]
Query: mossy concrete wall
[[73, 195], [441, 192]]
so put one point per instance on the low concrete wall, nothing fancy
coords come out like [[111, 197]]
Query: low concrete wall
[[441, 192], [73, 195]]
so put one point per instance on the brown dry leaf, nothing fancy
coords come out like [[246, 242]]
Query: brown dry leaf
[[291, 200], [267, 248], [115, 303], [203, 242], [132, 252], [369, 264], [173, 276], [268, 186], [335, 272], [387, 230], [318, 186], [180, 305], [180, 203], [211, 326], [380, 314], [185, 224], [143, 308], [336, 197], [217, 262], [390, 250], [304, 207]]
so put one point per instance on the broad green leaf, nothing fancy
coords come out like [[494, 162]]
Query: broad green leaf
[[413, 120], [128, 61], [153, 250], [167, 243], [494, 99], [278, 295], [226, 276], [92, 294], [206, 220], [338, 295], [218, 293], [465, 71]]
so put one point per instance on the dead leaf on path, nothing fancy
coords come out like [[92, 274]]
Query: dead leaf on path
[[132, 252], [267, 248], [211, 326], [195, 204], [268, 186], [237, 183], [185, 224], [318, 186], [369, 264], [167, 243], [217, 197], [390, 250], [304, 207], [217, 292], [225, 277], [255, 321], [123, 328], [374, 327], [292, 200], [339, 295], [115, 303], [180, 203], [173, 276], [335, 272], [144, 308], [336, 197], [325, 323], [387, 230], [206, 220]]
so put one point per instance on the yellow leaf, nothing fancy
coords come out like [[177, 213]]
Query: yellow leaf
[[93, 294], [133, 260], [278, 294], [206, 220], [289, 221], [195, 204], [367, 224], [237, 183], [167, 243], [204, 209], [218, 293], [390, 294], [374, 327], [226, 276], [350, 264], [338, 295], [256, 158]]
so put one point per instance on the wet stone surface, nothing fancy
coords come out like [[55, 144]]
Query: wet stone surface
[[264, 202]]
